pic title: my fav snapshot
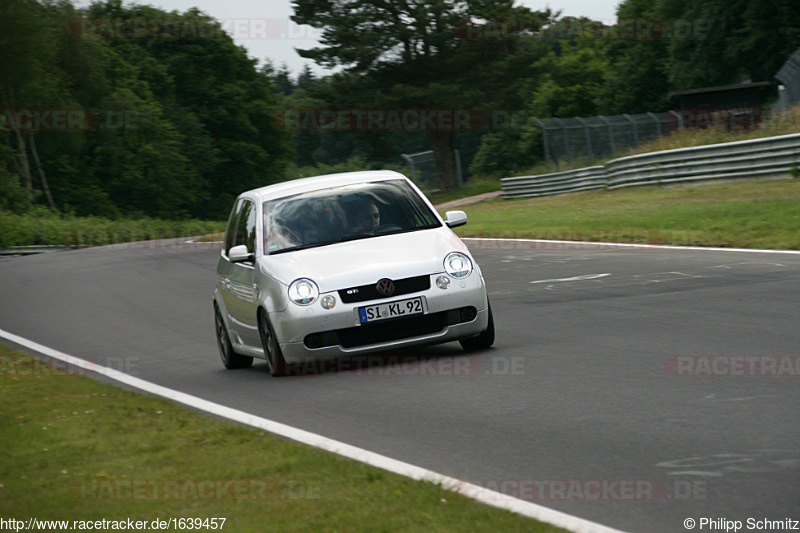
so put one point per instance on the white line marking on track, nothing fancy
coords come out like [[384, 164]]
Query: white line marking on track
[[475, 492], [576, 278], [592, 245]]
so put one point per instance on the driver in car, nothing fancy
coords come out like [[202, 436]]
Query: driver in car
[[366, 216]]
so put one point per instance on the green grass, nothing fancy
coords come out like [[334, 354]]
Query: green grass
[[691, 137], [747, 214], [72, 448], [478, 185], [41, 226]]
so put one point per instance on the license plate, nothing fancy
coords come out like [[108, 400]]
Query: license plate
[[372, 313]]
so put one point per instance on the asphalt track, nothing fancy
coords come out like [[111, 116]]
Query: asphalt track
[[620, 388]]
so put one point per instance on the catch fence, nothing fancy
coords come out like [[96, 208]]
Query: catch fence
[[588, 139]]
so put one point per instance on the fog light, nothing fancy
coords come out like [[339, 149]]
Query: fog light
[[443, 282], [313, 341], [328, 302], [468, 314]]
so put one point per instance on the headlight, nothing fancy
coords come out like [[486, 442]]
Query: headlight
[[457, 265], [303, 291]]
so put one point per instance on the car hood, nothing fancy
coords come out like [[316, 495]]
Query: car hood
[[364, 261]]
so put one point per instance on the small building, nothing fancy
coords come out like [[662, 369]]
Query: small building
[[728, 107]]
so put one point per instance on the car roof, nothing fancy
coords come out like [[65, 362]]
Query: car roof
[[288, 188]]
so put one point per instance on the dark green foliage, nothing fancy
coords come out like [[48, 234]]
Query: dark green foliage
[[175, 127], [636, 78], [728, 39], [656, 47]]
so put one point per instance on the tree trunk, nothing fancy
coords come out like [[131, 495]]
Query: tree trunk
[[36, 160], [22, 160], [444, 145]]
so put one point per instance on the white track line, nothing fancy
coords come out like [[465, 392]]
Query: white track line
[[592, 244], [585, 277], [481, 494]]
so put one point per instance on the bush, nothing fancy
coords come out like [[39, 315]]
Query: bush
[[42, 226], [12, 195]]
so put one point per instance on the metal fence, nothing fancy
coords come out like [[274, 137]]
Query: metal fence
[[588, 139], [422, 167]]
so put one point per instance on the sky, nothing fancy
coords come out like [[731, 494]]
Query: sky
[[265, 28]]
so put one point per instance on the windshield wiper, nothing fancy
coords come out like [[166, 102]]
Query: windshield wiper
[[300, 247]]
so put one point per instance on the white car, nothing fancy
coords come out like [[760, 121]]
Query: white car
[[340, 265]]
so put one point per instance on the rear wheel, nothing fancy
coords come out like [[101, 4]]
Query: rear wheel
[[272, 350], [482, 341], [229, 358]]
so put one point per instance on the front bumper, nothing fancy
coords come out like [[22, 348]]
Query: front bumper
[[459, 312]]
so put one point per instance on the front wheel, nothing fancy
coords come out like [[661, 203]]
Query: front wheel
[[482, 341], [229, 358], [272, 350]]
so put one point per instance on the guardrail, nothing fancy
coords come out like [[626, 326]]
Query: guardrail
[[770, 157], [33, 249]]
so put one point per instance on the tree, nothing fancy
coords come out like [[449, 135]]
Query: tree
[[430, 54], [561, 73], [571, 77], [214, 105], [637, 79], [26, 51], [715, 42]]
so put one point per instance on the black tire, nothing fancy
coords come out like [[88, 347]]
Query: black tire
[[482, 341], [229, 358], [276, 364]]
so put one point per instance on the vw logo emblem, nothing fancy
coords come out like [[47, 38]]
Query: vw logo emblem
[[385, 287]]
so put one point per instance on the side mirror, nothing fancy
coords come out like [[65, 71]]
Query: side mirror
[[453, 219], [239, 254]]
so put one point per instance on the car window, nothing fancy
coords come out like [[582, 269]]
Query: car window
[[230, 229], [338, 214], [246, 227]]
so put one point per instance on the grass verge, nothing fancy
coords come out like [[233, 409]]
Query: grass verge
[[475, 186], [76, 449], [747, 214], [42, 226]]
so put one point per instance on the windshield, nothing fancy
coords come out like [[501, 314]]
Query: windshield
[[345, 213]]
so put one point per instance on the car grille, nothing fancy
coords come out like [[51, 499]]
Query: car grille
[[370, 292], [391, 330]]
